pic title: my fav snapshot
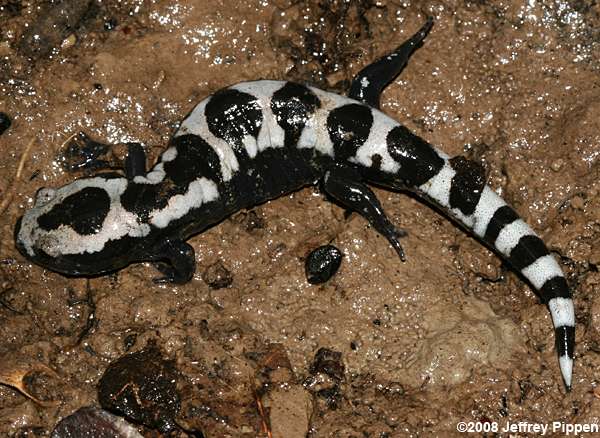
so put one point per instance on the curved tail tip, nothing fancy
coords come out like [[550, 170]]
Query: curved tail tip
[[566, 369]]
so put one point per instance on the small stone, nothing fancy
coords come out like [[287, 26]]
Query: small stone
[[577, 202], [110, 23], [326, 374], [217, 276], [250, 220], [68, 42], [290, 411], [159, 79], [328, 362], [557, 164], [322, 263], [142, 387], [93, 422], [594, 257]]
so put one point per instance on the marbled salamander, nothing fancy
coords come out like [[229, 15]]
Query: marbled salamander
[[256, 141]]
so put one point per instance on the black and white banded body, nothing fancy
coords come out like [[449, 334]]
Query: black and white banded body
[[256, 141]]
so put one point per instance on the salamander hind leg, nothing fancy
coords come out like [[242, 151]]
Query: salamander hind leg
[[368, 84], [176, 260], [344, 184]]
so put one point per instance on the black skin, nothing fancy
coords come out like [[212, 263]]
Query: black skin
[[341, 180]]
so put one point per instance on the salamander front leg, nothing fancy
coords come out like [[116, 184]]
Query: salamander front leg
[[176, 260], [82, 154], [343, 184], [135, 162]]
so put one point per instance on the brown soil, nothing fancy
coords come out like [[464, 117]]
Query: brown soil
[[451, 335]]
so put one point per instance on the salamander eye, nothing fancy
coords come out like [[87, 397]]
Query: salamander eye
[[44, 195]]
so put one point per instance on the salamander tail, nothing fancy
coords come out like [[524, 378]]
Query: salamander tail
[[459, 187]]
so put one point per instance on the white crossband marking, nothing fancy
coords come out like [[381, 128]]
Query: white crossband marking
[[196, 124], [510, 235], [542, 270], [562, 312]]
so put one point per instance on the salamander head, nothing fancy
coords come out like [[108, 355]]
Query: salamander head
[[80, 228]]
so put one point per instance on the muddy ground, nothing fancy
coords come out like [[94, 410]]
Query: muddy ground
[[450, 335]]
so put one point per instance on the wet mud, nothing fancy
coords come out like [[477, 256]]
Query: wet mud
[[382, 349]]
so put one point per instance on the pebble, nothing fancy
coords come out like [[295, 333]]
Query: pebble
[[322, 263]]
